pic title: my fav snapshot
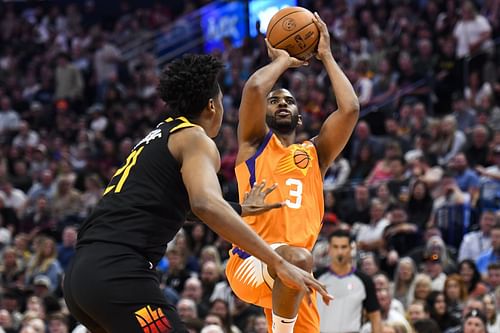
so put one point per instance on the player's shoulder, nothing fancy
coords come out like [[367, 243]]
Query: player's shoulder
[[190, 140]]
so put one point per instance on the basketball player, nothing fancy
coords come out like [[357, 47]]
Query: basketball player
[[267, 150], [111, 285]]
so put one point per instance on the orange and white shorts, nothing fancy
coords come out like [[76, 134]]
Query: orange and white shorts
[[250, 280]]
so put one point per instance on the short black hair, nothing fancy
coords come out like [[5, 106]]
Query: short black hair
[[187, 83], [340, 233], [426, 325]]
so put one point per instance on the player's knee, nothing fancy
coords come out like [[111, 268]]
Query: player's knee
[[300, 257]]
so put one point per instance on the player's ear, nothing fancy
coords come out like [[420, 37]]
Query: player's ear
[[299, 123], [211, 105]]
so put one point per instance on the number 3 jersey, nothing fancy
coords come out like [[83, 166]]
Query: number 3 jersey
[[145, 203], [300, 185]]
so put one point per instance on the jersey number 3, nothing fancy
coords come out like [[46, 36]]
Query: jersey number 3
[[295, 193], [124, 172]]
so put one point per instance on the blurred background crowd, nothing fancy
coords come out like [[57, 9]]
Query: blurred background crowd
[[418, 185]]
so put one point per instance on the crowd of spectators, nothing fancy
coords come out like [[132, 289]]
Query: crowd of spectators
[[418, 184]]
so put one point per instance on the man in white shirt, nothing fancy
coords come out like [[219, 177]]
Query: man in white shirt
[[476, 242], [472, 32]]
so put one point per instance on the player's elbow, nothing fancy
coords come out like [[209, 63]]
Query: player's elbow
[[353, 107], [201, 207]]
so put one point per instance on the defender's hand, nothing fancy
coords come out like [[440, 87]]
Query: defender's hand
[[296, 278], [279, 53], [254, 201], [324, 48]]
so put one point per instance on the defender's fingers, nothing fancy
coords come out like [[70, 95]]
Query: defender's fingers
[[270, 189], [274, 205]]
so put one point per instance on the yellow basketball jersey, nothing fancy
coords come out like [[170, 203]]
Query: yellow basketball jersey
[[296, 171]]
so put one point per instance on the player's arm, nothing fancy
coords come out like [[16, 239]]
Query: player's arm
[[376, 320], [252, 126], [192, 148], [337, 128]]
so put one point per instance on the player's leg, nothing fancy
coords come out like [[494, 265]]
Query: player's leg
[[75, 309], [286, 301], [120, 292]]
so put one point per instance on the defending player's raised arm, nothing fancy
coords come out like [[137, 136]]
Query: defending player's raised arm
[[252, 123], [338, 127]]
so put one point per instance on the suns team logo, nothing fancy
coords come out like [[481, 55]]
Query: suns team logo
[[299, 158], [153, 321]]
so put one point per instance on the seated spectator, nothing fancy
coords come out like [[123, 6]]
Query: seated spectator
[[476, 242], [438, 310], [404, 281], [369, 236], [399, 236], [419, 205], [417, 310], [362, 137], [464, 114], [471, 278], [467, 179], [382, 171], [492, 317], [491, 255], [490, 182], [357, 210], [187, 309], [433, 267], [362, 164], [475, 322], [11, 268], [451, 211], [493, 276], [381, 282], [176, 274], [388, 315], [45, 263], [385, 197], [477, 150], [368, 264], [337, 174], [449, 141], [426, 326], [66, 250], [455, 294]]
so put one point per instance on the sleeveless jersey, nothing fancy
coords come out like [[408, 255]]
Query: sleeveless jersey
[[145, 203], [296, 171]]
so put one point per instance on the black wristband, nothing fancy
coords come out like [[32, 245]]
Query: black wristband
[[236, 206]]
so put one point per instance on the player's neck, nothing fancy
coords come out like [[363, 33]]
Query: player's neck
[[341, 270], [286, 139]]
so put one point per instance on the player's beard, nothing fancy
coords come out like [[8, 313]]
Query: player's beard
[[282, 127]]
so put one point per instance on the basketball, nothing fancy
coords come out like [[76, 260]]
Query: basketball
[[301, 159], [293, 29]]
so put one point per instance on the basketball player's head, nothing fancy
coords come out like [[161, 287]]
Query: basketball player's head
[[282, 113], [189, 87]]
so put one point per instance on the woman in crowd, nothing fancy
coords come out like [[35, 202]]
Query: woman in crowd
[[472, 278], [423, 287], [419, 204], [492, 317], [455, 293], [404, 281], [45, 262], [436, 302]]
